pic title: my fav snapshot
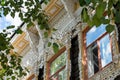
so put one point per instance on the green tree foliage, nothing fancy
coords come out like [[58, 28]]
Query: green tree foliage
[[10, 67], [28, 11], [104, 12]]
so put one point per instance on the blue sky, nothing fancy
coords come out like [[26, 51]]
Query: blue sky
[[8, 20], [3, 23]]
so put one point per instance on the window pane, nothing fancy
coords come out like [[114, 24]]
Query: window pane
[[105, 50], [62, 75], [58, 63], [92, 56], [94, 33]]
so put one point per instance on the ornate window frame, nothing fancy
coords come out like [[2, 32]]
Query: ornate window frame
[[52, 59], [85, 52]]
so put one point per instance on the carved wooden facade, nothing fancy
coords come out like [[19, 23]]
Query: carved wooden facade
[[64, 16]]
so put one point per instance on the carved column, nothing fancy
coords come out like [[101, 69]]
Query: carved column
[[69, 6], [33, 44], [117, 9], [116, 6], [118, 30], [67, 41], [80, 49]]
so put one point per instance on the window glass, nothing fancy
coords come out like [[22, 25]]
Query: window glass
[[58, 63], [60, 76], [94, 33], [98, 49], [105, 50], [92, 56]]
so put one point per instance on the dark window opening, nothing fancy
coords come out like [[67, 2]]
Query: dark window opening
[[95, 58], [74, 53], [41, 74], [117, 78]]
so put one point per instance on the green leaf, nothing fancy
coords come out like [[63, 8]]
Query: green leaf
[[5, 11], [84, 15], [87, 1], [96, 21], [2, 71], [8, 78], [27, 69], [100, 9], [82, 2], [11, 46], [46, 26], [12, 14], [24, 73], [10, 27], [4, 30], [30, 24], [2, 2], [55, 47], [49, 44], [19, 60], [0, 15], [7, 51], [46, 1], [19, 68], [10, 72], [26, 3], [13, 77], [18, 31], [21, 15], [45, 34], [110, 4], [110, 28], [90, 23], [117, 17], [42, 27], [54, 29], [104, 21], [26, 20]]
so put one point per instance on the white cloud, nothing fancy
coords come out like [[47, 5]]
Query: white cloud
[[14, 21], [93, 29], [8, 20]]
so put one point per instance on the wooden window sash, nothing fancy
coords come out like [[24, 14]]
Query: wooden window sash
[[104, 34], [61, 51], [56, 55], [98, 45]]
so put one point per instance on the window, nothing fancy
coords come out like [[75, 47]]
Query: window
[[57, 66], [117, 78], [74, 55], [98, 49], [41, 74]]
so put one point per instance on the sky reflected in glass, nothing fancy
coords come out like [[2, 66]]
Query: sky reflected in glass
[[94, 33], [105, 50]]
